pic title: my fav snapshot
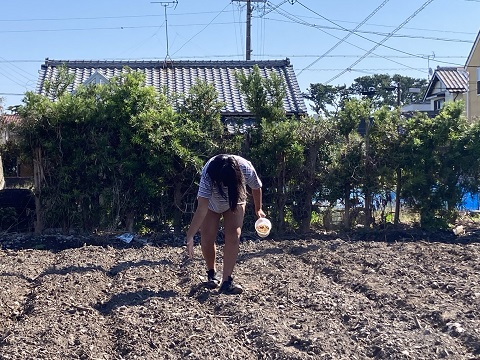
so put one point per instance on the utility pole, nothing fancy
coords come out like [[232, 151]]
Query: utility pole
[[248, 51], [248, 44]]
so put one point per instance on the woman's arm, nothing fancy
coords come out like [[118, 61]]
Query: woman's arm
[[257, 200], [197, 220]]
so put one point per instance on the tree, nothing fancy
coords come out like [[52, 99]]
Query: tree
[[387, 88], [470, 158], [317, 137], [327, 99], [387, 142], [435, 170], [56, 88], [34, 133], [264, 95], [91, 156], [349, 170], [275, 147], [199, 134]]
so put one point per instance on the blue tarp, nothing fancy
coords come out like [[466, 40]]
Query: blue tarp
[[470, 202]]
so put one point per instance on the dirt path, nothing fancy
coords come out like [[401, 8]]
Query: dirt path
[[323, 298]]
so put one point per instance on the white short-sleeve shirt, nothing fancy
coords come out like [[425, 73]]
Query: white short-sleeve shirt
[[216, 202]]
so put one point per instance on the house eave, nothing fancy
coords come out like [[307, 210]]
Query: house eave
[[472, 50]]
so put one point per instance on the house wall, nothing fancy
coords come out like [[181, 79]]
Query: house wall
[[455, 97], [443, 97], [417, 107], [473, 69], [439, 89]]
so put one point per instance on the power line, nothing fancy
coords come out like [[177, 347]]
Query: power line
[[339, 27], [390, 26], [215, 12], [181, 47], [301, 22], [141, 43], [378, 69], [122, 28], [268, 55], [235, 22], [377, 44], [436, 38], [81, 29], [15, 68], [272, 8], [119, 27], [103, 17], [388, 36], [11, 79], [345, 37], [18, 61], [125, 27]]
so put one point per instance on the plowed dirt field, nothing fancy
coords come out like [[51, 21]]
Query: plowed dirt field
[[402, 294]]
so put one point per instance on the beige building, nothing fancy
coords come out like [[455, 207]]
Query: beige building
[[472, 66]]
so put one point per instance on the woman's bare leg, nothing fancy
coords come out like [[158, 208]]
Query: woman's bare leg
[[232, 223], [208, 235]]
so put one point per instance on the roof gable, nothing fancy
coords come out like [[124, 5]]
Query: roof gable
[[472, 50], [179, 76], [453, 80], [96, 78]]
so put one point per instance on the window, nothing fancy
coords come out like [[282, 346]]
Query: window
[[478, 81], [437, 104]]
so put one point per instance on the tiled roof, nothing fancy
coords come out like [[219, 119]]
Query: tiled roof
[[10, 118], [179, 76], [455, 80]]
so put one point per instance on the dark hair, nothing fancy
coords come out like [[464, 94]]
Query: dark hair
[[225, 171]]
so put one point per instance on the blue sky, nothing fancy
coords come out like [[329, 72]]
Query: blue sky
[[404, 37]]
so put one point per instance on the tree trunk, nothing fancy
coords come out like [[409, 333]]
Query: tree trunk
[[398, 189], [308, 191], [38, 178], [177, 200], [367, 192], [368, 208], [129, 221], [281, 198], [307, 219], [346, 198]]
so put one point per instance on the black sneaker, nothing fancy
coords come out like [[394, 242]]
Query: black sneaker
[[230, 288], [212, 280]]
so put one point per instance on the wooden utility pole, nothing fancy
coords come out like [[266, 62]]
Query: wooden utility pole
[[248, 44], [248, 51]]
